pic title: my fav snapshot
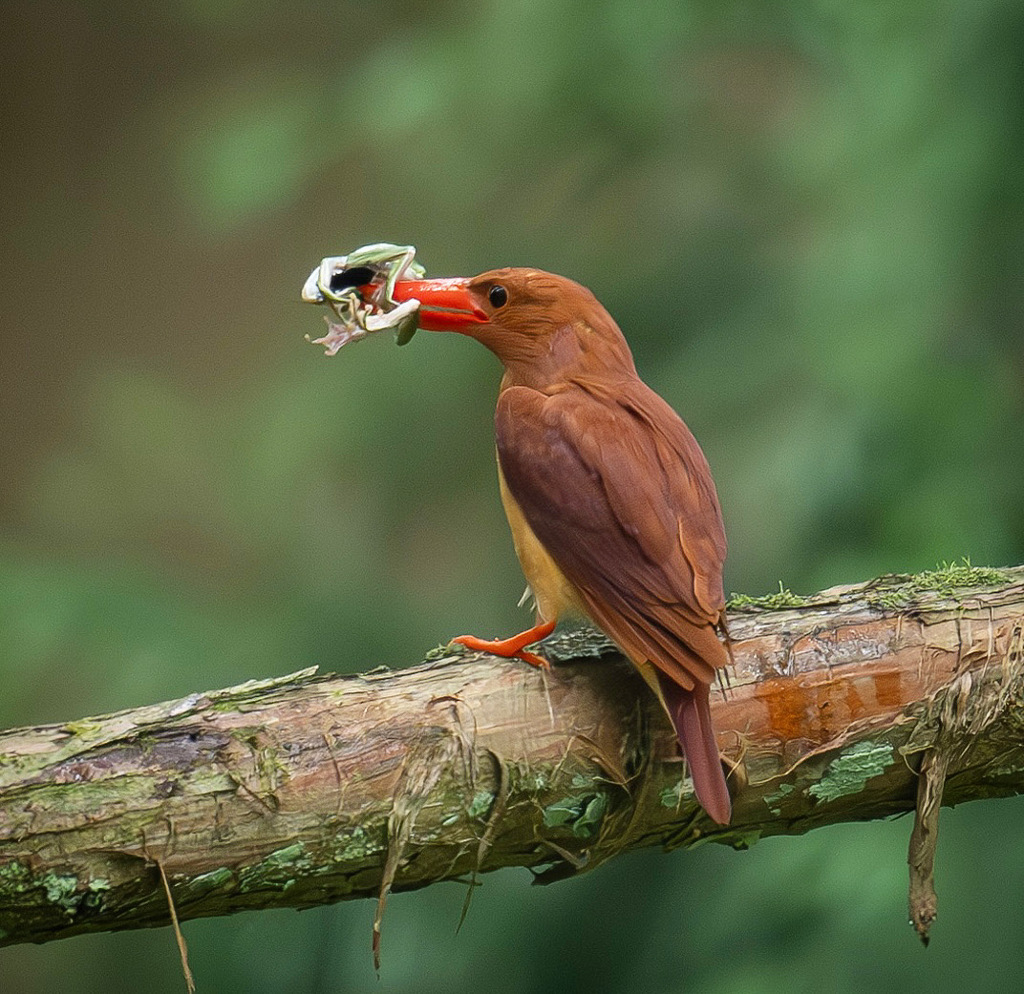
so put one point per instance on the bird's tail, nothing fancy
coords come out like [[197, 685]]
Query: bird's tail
[[690, 711]]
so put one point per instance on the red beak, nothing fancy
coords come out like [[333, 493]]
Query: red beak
[[446, 304]]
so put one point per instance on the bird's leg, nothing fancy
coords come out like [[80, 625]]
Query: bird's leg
[[514, 647]]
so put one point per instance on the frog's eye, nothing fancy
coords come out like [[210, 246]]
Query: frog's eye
[[346, 278], [497, 295]]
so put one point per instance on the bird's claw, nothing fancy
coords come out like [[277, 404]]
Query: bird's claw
[[534, 660], [505, 648], [514, 647]]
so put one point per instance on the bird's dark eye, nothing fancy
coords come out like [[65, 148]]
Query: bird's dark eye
[[497, 295]]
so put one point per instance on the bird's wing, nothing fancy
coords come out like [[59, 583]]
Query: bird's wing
[[618, 491]]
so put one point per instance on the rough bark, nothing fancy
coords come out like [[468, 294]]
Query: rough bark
[[310, 789]]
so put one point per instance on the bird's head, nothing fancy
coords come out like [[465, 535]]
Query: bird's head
[[544, 328]]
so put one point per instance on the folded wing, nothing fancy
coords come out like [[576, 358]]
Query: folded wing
[[619, 493]]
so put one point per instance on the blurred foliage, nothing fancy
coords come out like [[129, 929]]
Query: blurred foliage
[[806, 218]]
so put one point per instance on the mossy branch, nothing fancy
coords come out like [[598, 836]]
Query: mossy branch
[[310, 789]]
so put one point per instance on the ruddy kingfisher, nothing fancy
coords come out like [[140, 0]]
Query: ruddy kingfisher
[[613, 511]]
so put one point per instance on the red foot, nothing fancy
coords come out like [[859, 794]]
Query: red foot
[[514, 647]]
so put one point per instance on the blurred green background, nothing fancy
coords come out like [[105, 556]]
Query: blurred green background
[[807, 219]]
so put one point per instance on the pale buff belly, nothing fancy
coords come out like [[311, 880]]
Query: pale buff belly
[[554, 594]]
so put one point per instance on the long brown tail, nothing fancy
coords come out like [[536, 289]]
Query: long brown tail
[[690, 711]]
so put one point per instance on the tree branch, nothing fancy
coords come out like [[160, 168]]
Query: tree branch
[[309, 789]]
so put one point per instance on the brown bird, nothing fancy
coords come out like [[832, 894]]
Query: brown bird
[[613, 511]]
